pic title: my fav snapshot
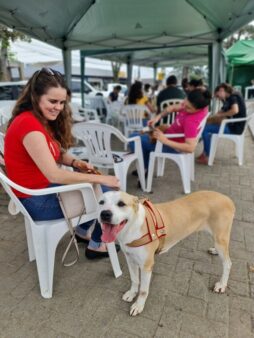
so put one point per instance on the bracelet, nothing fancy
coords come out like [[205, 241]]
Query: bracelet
[[72, 162]]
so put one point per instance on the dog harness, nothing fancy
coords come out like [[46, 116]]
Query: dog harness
[[155, 227]]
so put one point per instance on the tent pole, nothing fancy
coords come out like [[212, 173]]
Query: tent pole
[[82, 73], [67, 65], [155, 68], [210, 67], [129, 71]]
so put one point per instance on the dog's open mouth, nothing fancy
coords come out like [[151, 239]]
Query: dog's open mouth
[[110, 231]]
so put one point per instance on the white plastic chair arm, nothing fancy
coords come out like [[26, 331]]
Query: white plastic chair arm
[[174, 135], [46, 191], [226, 121]]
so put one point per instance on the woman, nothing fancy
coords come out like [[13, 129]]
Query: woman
[[187, 122], [136, 96], [36, 144]]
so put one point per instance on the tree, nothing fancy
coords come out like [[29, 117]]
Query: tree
[[246, 32], [115, 70], [6, 36]]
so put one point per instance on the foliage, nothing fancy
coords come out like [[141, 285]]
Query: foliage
[[6, 36], [115, 70], [246, 33]]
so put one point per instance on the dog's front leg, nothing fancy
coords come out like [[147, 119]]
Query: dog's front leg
[[138, 306], [134, 274]]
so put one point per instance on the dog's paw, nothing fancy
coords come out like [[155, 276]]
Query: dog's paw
[[136, 309], [219, 287], [212, 251], [129, 296]]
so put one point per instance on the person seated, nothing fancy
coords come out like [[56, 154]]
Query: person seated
[[136, 96], [233, 107], [169, 93], [190, 114], [195, 84], [113, 96], [148, 90], [36, 144]]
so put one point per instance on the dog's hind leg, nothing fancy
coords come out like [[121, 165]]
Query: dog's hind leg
[[222, 249], [138, 306], [134, 274]]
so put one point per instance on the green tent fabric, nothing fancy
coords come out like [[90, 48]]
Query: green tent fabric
[[241, 53], [106, 25]]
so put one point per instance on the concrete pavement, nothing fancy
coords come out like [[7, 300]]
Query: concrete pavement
[[87, 298]]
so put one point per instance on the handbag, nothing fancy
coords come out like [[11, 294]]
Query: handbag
[[72, 205]]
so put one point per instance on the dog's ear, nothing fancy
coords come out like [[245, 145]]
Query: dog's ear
[[135, 204]]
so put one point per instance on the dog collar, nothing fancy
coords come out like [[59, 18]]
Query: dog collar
[[155, 226]]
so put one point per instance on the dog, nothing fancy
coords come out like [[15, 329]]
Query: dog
[[125, 218]]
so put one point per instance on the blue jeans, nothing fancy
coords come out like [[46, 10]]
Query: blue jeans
[[148, 146], [207, 134], [47, 207]]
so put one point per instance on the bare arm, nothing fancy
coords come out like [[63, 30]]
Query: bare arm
[[231, 112], [168, 110], [187, 147], [37, 147]]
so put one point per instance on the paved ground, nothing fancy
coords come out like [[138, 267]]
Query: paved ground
[[87, 298]]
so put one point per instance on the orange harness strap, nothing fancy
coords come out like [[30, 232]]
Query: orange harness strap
[[155, 227]]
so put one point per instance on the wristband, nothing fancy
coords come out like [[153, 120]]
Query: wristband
[[72, 162]]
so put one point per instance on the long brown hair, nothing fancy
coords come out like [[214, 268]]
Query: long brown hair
[[38, 85]]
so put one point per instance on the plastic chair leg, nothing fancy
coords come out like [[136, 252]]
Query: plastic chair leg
[[150, 172], [160, 166], [114, 259], [141, 171], [29, 238], [185, 174], [44, 262], [214, 142]]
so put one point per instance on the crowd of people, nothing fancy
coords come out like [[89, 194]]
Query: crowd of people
[[39, 135]]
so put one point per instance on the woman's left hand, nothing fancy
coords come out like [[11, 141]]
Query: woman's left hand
[[159, 135], [83, 166]]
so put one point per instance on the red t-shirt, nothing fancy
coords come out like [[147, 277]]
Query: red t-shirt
[[187, 124], [20, 167]]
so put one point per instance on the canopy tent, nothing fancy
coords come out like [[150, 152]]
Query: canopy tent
[[241, 53], [240, 59], [104, 26], [162, 57]]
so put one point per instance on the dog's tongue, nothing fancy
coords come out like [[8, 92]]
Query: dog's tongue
[[110, 231]]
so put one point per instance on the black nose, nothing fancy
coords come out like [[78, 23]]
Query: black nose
[[106, 215]]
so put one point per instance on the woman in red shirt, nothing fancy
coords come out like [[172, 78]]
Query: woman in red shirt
[[36, 144]]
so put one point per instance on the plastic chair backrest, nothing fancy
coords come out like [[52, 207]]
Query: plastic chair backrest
[[2, 135], [7, 184], [97, 138], [134, 115], [170, 102]]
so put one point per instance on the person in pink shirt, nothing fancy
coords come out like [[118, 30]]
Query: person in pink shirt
[[190, 114]]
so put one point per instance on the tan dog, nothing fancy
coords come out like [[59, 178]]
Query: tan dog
[[122, 216]]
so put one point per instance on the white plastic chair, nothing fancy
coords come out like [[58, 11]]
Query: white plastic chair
[[237, 139], [97, 138], [133, 117], [166, 103], [81, 114], [2, 135], [44, 236], [185, 162], [114, 112]]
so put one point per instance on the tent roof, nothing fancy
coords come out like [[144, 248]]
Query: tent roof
[[104, 25], [162, 57], [241, 53]]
